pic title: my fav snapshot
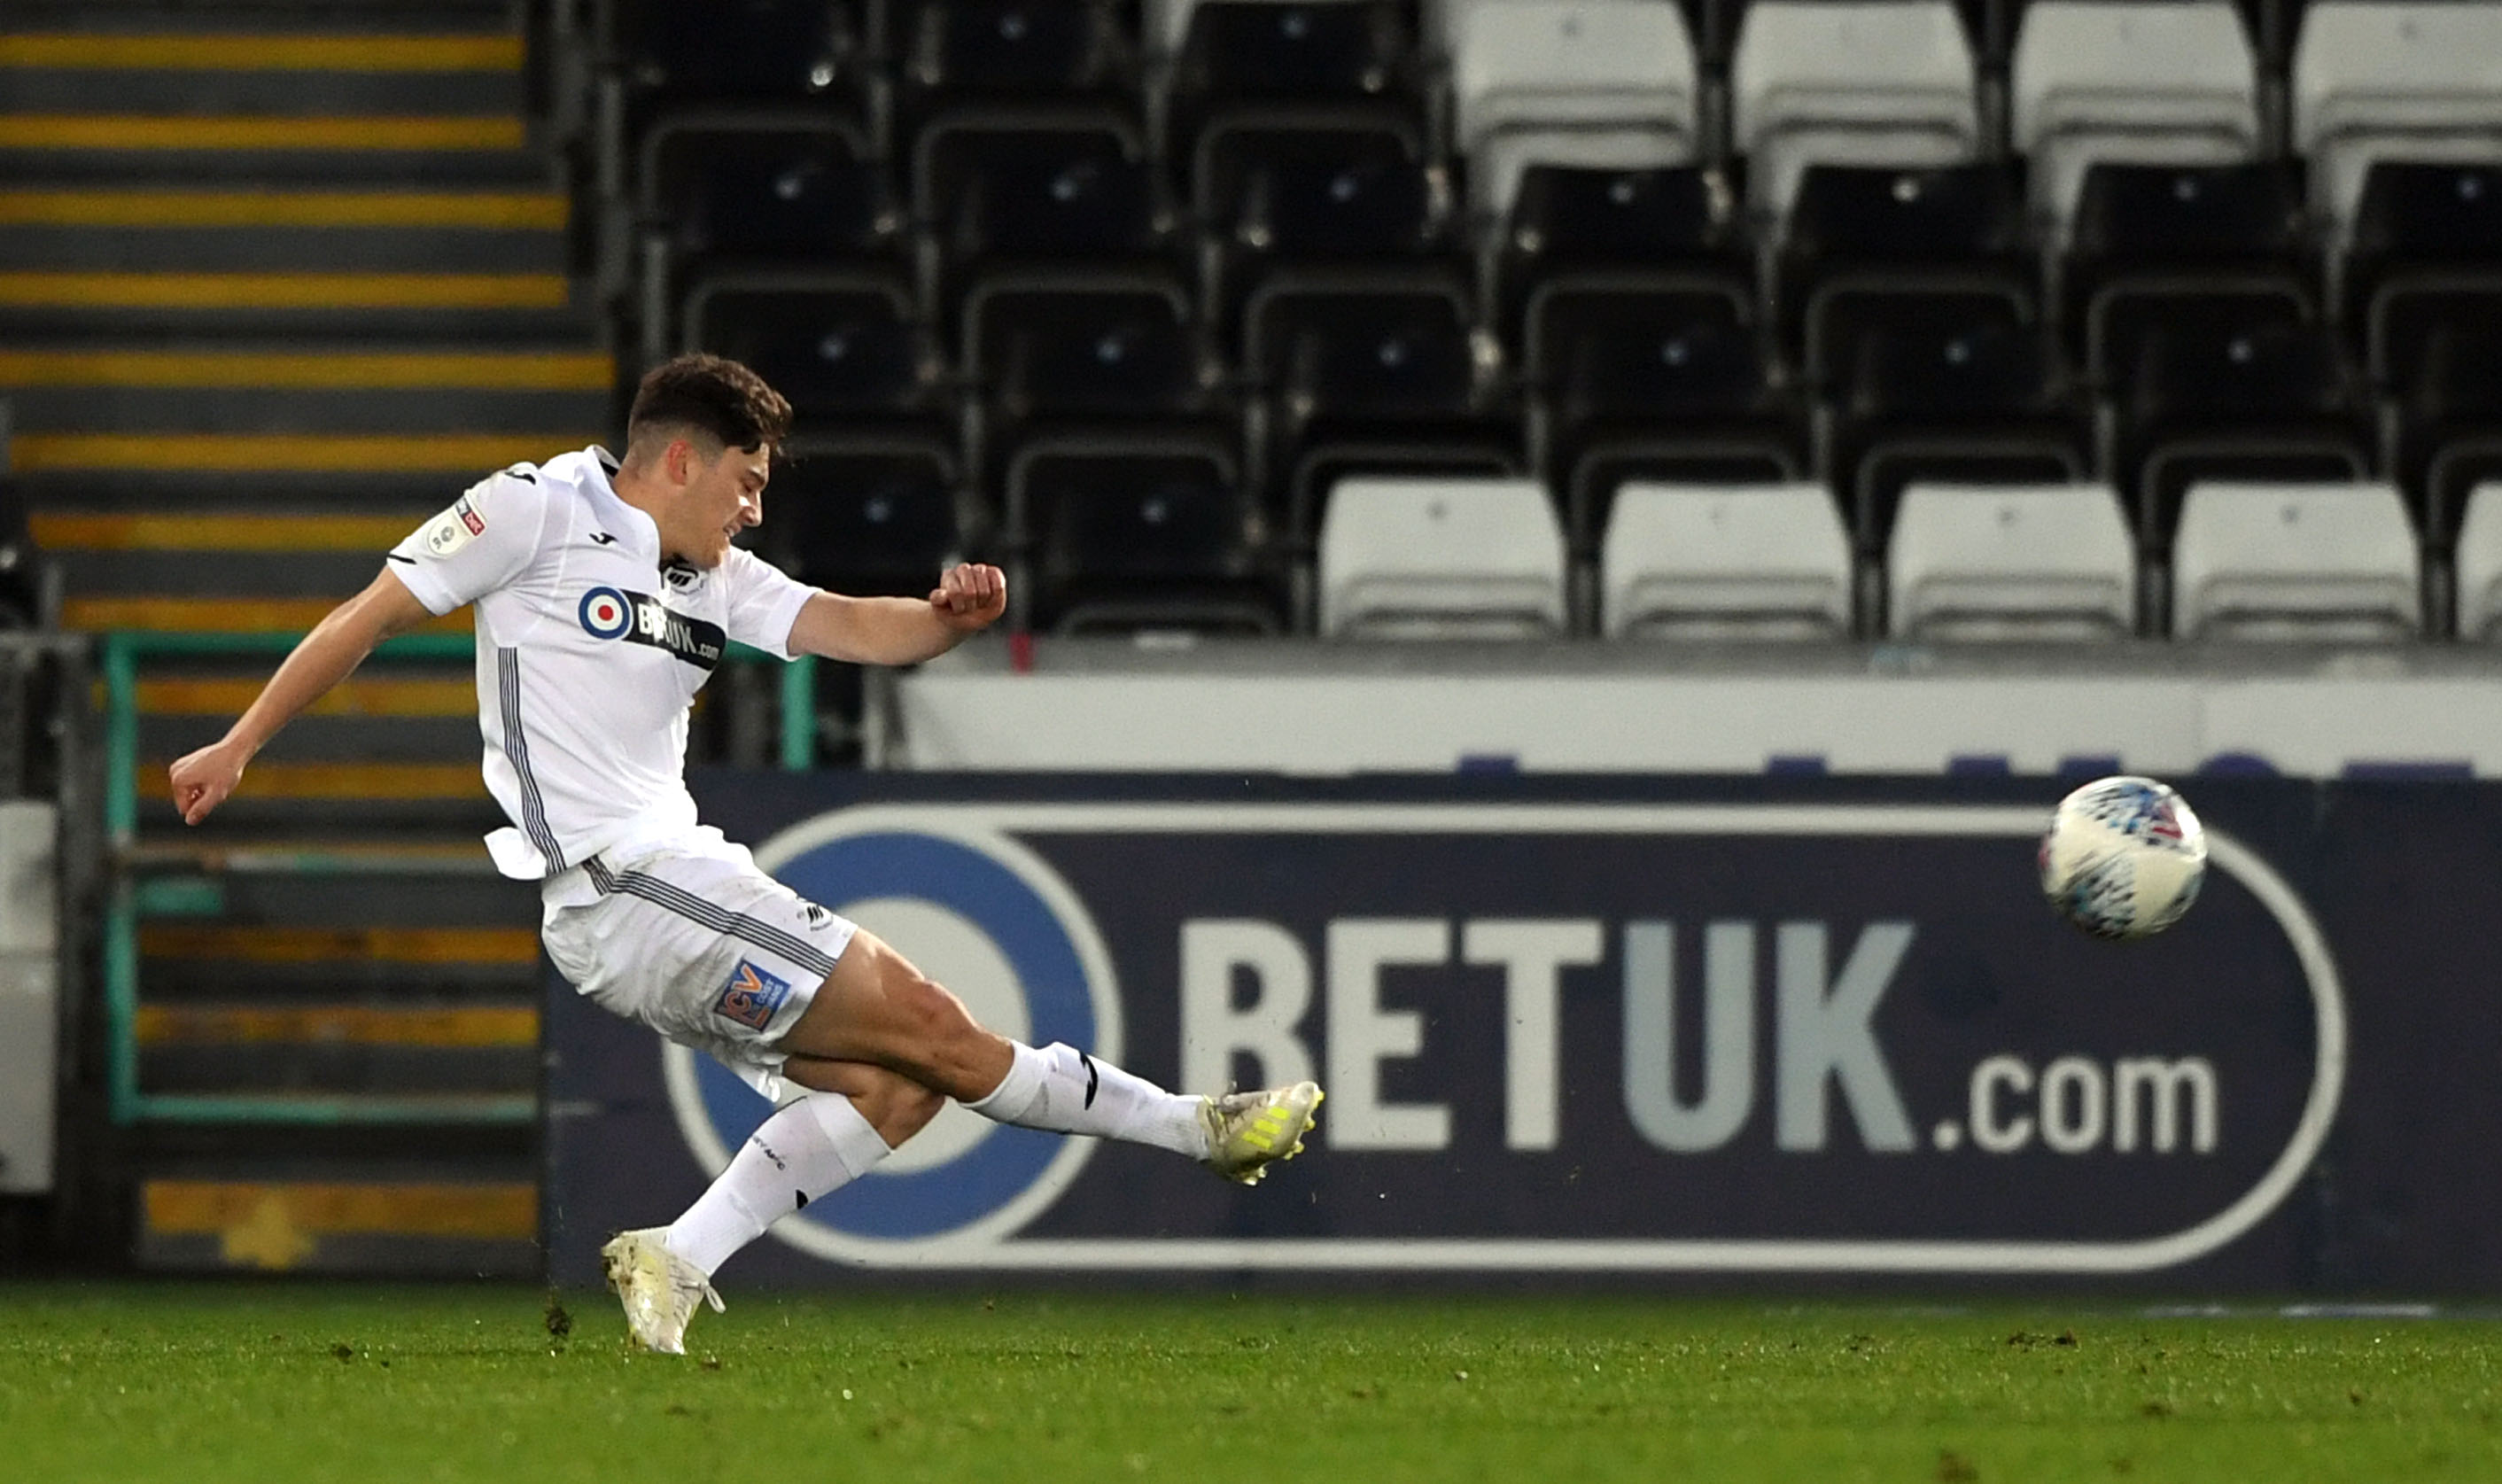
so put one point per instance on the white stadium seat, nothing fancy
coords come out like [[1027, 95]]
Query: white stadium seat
[[1600, 82], [1404, 556], [1737, 561], [2384, 80], [1816, 81], [2131, 82], [2038, 562], [2320, 562], [2479, 554]]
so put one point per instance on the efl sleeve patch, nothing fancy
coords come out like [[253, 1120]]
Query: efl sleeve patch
[[752, 996], [455, 528]]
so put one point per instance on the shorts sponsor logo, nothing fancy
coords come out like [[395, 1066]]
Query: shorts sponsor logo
[[752, 996]]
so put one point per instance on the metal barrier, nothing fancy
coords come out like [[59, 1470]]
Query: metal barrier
[[132, 898]]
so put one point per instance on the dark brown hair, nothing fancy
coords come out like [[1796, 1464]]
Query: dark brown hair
[[717, 397]]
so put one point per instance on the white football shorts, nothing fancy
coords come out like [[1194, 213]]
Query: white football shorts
[[690, 939]]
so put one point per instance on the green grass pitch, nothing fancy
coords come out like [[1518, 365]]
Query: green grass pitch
[[276, 1382]]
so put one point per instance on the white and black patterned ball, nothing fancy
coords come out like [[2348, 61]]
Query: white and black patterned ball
[[2124, 858]]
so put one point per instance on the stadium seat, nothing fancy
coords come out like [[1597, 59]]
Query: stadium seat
[[867, 516], [1380, 368], [2158, 245], [1266, 60], [841, 345], [2266, 403], [1766, 561], [1567, 220], [764, 183], [2392, 81], [1983, 405], [1441, 559], [1312, 192], [1011, 188], [745, 187], [724, 50], [2449, 435], [2318, 562], [2038, 562], [1865, 250], [2142, 82], [2479, 565], [1650, 376], [1139, 531], [1570, 82], [1835, 83], [1050, 352], [2424, 253], [955, 53]]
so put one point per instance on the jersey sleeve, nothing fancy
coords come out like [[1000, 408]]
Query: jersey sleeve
[[485, 540], [764, 603]]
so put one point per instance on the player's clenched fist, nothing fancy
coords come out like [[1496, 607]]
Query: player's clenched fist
[[203, 779], [971, 596]]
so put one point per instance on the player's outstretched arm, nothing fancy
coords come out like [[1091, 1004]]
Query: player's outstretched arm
[[969, 597], [335, 646]]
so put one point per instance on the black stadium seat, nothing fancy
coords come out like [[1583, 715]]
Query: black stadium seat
[[2426, 252], [1145, 530], [2153, 243], [844, 347], [776, 183], [1870, 248], [1567, 221], [1262, 54], [1012, 189], [740, 50], [868, 516], [1367, 370], [1980, 406], [1327, 193], [2273, 402], [1056, 354], [2449, 435], [955, 53], [1640, 375]]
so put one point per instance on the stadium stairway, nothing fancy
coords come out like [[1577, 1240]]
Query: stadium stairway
[[276, 283]]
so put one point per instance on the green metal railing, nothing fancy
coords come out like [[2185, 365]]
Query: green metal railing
[[195, 894]]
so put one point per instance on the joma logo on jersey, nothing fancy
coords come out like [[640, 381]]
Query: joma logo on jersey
[[612, 613], [751, 996]]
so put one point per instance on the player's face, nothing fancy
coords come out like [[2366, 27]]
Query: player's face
[[722, 499]]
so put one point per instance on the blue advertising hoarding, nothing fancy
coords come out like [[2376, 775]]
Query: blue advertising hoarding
[[1663, 1028]]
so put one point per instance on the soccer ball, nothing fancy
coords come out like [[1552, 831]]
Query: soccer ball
[[2124, 858]]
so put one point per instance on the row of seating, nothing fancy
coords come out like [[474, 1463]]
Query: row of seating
[[1478, 559], [1890, 83]]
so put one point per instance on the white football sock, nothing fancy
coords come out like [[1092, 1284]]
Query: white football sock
[[808, 1148], [1065, 1091]]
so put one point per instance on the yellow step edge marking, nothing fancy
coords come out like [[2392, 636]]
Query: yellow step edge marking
[[444, 1030], [283, 291], [228, 51], [213, 614], [65, 531], [399, 781], [486, 209], [170, 131], [314, 945], [470, 455], [372, 696], [344, 371], [216, 1207]]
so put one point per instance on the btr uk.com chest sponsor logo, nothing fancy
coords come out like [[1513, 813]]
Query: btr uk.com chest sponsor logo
[[1665, 1039], [638, 617]]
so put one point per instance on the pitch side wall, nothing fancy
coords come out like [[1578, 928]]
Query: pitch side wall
[[1662, 1030]]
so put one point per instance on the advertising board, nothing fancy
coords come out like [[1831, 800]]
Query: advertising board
[[1651, 1028]]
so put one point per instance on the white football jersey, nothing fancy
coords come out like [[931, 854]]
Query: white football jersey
[[589, 651]]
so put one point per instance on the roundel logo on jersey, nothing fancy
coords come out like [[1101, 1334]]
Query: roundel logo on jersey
[[995, 923], [606, 614]]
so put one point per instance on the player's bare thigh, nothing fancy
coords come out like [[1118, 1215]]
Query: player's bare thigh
[[876, 1007], [895, 1105]]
